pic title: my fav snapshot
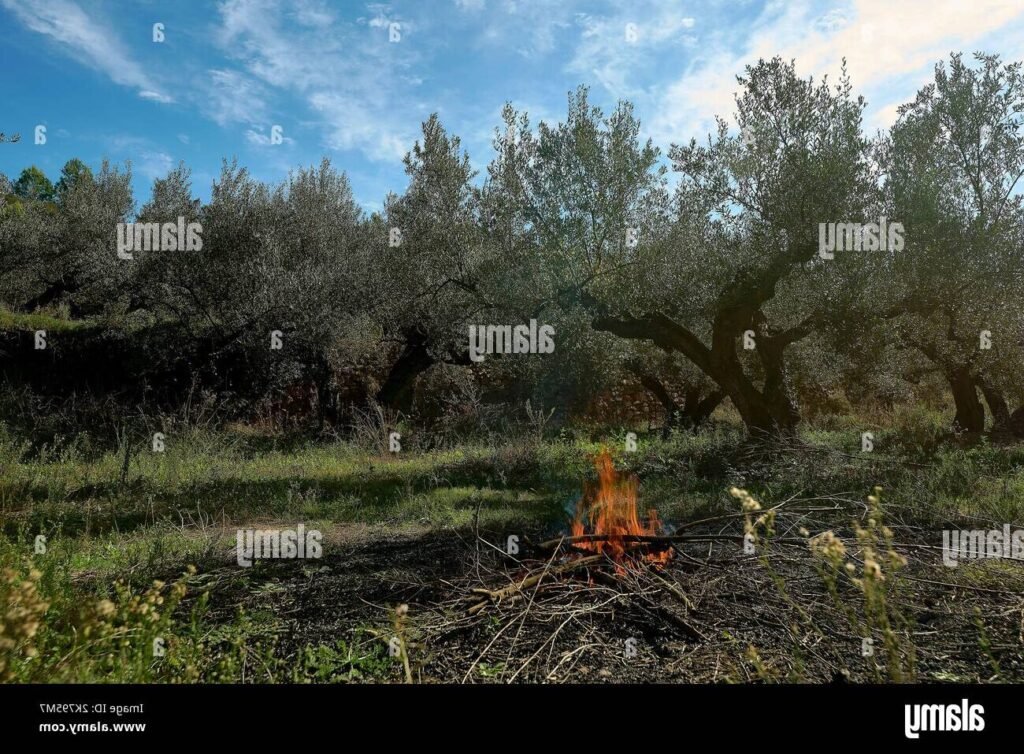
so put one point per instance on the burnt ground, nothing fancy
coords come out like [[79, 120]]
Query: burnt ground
[[712, 614]]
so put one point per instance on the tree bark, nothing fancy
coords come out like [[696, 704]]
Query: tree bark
[[777, 392], [963, 383], [326, 403], [698, 413], [970, 414], [997, 404], [414, 359], [52, 293], [694, 410], [657, 388]]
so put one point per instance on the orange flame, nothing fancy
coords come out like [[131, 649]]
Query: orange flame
[[609, 511]]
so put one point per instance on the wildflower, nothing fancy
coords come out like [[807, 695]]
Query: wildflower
[[872, 570], [896, 560], [747, 501], [828, 546]]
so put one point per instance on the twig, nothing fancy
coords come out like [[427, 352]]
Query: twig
[[514, 590]]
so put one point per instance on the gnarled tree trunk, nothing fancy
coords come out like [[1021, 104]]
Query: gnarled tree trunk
[[769, 411], [997, 405], [414, 359], [970, 414]]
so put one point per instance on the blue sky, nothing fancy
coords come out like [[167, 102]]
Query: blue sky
[[354, 80]]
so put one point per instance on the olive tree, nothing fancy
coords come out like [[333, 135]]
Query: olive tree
[[954, 162], [728, 274]]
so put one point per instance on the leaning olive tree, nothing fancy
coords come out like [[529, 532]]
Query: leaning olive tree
[[954, 162]]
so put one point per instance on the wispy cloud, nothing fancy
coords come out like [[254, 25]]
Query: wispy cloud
[[354, 82], [335, 78], [87, 41], [228, 96], [155, 96], [621, 50], [147, 160], [530, 27], [153, 164]]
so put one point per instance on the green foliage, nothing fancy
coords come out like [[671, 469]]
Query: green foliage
[[74, 173], [33, 185], [345, 662]]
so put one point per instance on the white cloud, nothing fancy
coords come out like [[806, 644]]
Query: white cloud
[[352, 125], [530, 27], [231, 97], [621, 50], [358, 82], [890, 49], [309, 13], [380, 21], [154, 164], [147, 159], [155, 96], [86, 41]]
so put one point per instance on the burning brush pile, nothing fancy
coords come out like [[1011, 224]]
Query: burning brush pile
[[607, 588]]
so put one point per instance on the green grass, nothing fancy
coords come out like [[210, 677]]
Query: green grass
[[39, 321]]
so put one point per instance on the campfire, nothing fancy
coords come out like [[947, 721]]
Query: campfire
[[608, 542], [607, 520]]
